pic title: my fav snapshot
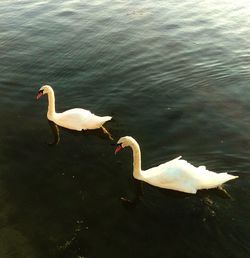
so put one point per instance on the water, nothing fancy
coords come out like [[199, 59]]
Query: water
[[173, 74]]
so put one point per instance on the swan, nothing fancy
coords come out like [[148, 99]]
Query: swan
[[75, 119], [176, 174]]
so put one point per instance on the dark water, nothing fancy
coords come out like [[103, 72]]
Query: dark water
[[173, 74]]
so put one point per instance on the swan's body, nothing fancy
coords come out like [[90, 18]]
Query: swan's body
[[176, 174], [74, 119], [78, 119]]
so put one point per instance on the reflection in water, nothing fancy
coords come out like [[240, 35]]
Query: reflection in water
[[138, 189], [203, 195], [224, 192], [107, 132], [56, 132]]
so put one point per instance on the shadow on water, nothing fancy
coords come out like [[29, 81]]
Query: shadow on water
[[205, 196], [65, 217], [162, 216], [67, 204], [55, 129], [176, 218], [43, 208]]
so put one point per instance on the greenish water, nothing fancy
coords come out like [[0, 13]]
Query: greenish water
[[175, 75]]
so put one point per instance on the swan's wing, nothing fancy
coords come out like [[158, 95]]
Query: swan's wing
[[176, 174], [80, 119], [75, 113], [172, 170], [182, 176], [73, 118]]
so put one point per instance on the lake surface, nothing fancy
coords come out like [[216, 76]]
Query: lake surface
[[175, 75]]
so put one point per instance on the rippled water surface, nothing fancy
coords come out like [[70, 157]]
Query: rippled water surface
[[173, 74]]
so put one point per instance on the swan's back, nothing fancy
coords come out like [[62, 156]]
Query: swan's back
[[180, 175], [80, 119]]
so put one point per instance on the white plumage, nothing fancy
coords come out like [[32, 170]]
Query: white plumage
[[76, 118], [176, 174]]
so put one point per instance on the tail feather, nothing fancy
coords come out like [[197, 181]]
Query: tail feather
[[226, 177], [220, 179], [106, 118]]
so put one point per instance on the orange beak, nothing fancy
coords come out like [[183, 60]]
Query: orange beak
[[39, 94]]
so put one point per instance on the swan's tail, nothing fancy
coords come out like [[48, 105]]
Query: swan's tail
[[224, 177], [106, 118], [218, 179]]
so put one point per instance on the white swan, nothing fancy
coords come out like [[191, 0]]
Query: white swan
[[75, 119], [176, 174]]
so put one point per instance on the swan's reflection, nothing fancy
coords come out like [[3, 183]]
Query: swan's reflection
[[138, 193], [55, 129], [204, 197]]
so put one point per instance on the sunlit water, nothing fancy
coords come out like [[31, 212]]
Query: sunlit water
[[173, 74]]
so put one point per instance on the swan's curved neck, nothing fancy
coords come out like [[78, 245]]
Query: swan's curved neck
[[51, 104], [136, 160]]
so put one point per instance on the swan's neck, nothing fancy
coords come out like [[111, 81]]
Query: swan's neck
[[51, 105], [136, 160]]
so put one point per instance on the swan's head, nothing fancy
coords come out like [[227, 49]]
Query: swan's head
[[44, 90], [124, 142]]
